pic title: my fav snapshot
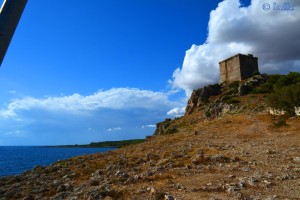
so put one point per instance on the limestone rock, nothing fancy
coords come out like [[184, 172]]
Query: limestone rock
[[297, 159], [169, 197], [165, 128], [200, 97], [249, 84]]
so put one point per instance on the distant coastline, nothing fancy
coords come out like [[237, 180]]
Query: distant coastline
[[106, 144]]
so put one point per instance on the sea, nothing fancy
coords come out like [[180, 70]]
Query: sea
[[16, 160]]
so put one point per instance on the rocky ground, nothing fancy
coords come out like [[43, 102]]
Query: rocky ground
[[243, 154]]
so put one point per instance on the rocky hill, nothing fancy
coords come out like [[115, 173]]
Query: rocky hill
[[227, 146]]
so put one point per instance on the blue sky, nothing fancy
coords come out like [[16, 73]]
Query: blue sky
[[83, 71], [71, 46]]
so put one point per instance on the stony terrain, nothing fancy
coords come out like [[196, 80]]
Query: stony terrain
[[243, 153]]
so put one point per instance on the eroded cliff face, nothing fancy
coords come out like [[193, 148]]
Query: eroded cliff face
[[213, 101], [216, 100], [165, 128], [201, 96]]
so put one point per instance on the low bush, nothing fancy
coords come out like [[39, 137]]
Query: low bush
[[285, 98], [255, 73], [280, 121], [171, 131], [262, 89], [160, 195], [230, 100], [233, 87], [207, 114]]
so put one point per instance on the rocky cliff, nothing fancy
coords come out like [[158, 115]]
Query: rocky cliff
[[214, 101]]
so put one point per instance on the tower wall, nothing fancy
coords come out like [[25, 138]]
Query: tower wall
[[248, 65], [237, 68]]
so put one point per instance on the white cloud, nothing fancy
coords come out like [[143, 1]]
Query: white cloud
[[114, 129], [149, 126], [69, 119], [271, 35], [116, 98], [16, 133], [177, 112], [12, 92]]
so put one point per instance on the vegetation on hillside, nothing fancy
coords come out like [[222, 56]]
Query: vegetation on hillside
[[115, 144], [285, 92], [277, 81]]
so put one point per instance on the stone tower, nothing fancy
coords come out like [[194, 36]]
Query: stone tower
[[237, 68]]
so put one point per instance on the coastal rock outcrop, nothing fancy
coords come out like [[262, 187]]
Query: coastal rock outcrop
[[165, 128], [225, 93], [201, 96]]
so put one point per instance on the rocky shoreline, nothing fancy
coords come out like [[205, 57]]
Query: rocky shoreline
[[245, 158], [227, 146]]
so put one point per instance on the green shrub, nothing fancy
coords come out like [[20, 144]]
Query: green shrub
[[229, 100], [262, 89], [285, 98], [255, 73], [286, 80], [171, 131], [276, 82], [225, 98], [204, 100], [273, 78], [160, 195], [281, 121], [233, 87], [266, 88], [207, 114], [233, 101], [216, 86], [283, 81]]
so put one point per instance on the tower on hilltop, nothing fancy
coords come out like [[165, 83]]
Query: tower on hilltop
[[238, 68]]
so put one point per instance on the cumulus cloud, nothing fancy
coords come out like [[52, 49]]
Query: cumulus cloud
[[116, 98], [114, 129], [177, 112], [70, 119], [272, 35]]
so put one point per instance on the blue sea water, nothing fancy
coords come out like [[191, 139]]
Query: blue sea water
[[15, 160]]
